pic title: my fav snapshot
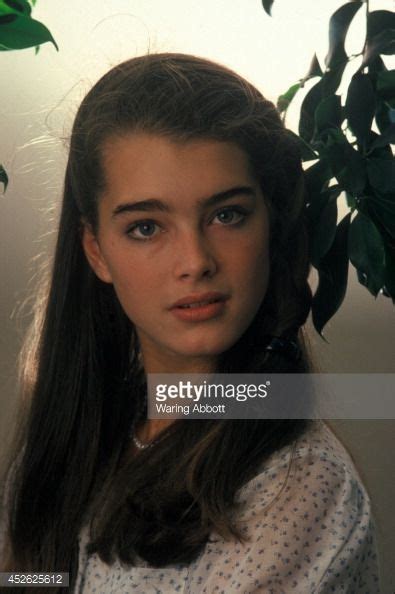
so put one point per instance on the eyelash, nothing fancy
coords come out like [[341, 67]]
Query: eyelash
[[238, 210]]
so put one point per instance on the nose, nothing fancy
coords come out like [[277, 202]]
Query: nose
[[194, 258]]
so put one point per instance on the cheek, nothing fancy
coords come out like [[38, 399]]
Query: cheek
[[134, 281], [253, 264], [252, 257]]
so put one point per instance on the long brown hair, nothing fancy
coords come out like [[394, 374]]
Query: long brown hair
[[83, 381]]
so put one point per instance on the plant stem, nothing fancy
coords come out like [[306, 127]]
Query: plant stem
[[366, 37]]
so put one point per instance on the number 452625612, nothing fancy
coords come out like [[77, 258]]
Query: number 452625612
[[50, 579]]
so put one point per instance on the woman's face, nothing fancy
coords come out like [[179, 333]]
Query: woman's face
[[183, 236]]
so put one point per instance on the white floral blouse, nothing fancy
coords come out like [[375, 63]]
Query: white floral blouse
[[309, 527]]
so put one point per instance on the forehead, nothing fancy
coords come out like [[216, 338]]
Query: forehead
[[151, 166]]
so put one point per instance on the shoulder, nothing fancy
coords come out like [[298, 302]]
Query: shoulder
[[316, 468], [307, 525]]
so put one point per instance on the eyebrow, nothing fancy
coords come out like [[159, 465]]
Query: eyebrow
[[153, 204]]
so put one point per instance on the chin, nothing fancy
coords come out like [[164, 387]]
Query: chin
[[207, 348]]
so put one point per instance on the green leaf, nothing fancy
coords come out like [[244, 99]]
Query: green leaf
[[387, 137], [384, 116], [382, 150], [7, 18], [363, 279], [318, 203], [366, 252], [360, 106], [338, 26], [380, 36], [389, 273], [351, 202], [375, 66], [307, 111], [326, 86], [15, 7], [332, 278], [381, 173], [267, 5], [306, 152], [324, 232], [347, 164], [378, 20], [352, 176], [385, 84], [387, 47], [328, 114], [317, 177], [313, 71], [332, 79], [24, 32], [383, 207], [3, 178], [285, 99]]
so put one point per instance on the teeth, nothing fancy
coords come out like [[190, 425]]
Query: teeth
[[198, 304]]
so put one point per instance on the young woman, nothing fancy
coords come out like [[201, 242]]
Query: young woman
[[182, 248]]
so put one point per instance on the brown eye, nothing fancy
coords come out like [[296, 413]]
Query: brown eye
[[142, 230], [226, 216], [231, 215]]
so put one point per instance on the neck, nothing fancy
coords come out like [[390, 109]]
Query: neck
[[149, 430], [174, 364]]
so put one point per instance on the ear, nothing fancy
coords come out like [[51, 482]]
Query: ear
[[94, 254]]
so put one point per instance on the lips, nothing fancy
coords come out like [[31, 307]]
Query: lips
[[200, 307], [197, 304], [199, 300]]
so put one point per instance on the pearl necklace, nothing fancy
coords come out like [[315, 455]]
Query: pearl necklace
[[140, 445]]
